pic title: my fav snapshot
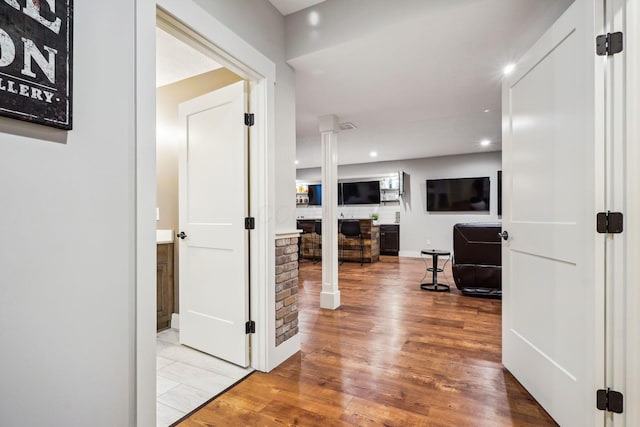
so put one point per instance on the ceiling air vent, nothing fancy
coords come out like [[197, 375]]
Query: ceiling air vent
[[347, 126]]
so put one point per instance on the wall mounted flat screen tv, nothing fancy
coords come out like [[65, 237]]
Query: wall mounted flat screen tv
[[361, 193], [315, 194], [460, 194]]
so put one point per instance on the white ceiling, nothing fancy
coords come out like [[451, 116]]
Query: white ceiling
[[287, 7], [414, 76], [176, 60]]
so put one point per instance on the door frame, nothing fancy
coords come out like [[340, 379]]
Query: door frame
[[623, 274], [202, 31], [631, 277]]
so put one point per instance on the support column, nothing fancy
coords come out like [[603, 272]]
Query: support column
[[330, 295]]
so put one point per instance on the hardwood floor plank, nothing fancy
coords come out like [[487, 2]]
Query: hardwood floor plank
[[391, 355]]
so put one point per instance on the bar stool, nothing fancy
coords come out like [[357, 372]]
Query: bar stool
[[317, 228], [434, 286], [302, 240], [351, 229]]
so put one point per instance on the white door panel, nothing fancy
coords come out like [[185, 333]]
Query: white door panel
[[552, 308], [552, 240], [213, 205]]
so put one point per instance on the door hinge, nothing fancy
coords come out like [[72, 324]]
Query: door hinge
[[250, 327], [249, 223], [609, 222], [249, 119], [609, 400], [609, 44]]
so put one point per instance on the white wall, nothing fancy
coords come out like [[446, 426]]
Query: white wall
[[67, 281], [417, 226]]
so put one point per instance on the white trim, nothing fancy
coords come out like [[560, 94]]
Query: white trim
[[236, 53], [175, 321], [616, 245], [285, 350], [632, 219], [145, 207], [600, 191], [409, 254], [288, 234]]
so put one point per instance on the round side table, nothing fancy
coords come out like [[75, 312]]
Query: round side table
[[434, 286]]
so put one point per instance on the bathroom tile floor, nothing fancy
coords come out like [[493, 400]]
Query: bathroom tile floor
[[187, 378]]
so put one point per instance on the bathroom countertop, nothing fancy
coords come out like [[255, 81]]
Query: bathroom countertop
[[164, 236]]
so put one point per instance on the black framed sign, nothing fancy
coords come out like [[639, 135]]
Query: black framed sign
[[36, 57]]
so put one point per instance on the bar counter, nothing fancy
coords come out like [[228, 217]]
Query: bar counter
[[310, 247]]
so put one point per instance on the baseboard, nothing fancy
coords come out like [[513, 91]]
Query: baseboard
[[175, 321], [409, 254]]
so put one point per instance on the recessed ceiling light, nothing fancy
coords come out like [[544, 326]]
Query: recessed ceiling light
[[508, 69], [487, 110], [314, 18], [296, 162], [485, 142], [373, 153]]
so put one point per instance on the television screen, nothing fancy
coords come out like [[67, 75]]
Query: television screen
[[461, 194], [361, 193], [315, 194]]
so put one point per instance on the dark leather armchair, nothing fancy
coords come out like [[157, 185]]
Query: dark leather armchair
[[477, 259]]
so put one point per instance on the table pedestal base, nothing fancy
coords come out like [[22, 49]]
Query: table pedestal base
[[434, 287]]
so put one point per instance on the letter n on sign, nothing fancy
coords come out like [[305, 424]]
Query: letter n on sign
[[36, 61]]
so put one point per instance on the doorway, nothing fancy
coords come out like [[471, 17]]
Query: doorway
[[191, 69]]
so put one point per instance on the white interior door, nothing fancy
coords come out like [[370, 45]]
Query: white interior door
[[213, 197], [553, 261]]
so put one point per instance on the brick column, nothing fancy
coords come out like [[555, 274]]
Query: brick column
[[286, 289]]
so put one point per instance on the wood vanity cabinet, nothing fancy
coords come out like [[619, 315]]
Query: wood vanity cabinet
[[389, 239], [165, 297]]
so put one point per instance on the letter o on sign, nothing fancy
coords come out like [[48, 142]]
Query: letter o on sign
[[7, 49]]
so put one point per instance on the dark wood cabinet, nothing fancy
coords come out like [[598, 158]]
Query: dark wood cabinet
[[165, 297], [389, 239]]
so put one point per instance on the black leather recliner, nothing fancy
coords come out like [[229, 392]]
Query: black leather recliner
[[477, 259]]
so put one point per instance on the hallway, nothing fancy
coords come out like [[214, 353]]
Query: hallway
[[391, 355]]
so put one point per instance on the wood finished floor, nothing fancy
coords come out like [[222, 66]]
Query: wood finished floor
[[391, 355]]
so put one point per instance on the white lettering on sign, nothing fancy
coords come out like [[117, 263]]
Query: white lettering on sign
[[7, 49], [47, 66], [7, 85], [13, 3], [24, 89], [32, 9]]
